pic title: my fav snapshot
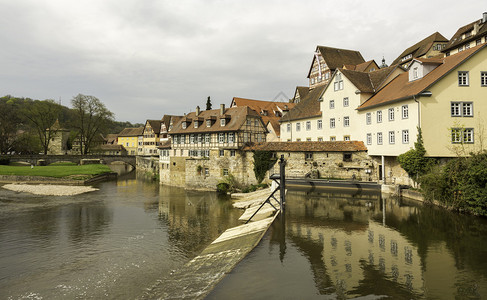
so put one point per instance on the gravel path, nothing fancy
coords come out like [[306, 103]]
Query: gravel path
[[49, 190]]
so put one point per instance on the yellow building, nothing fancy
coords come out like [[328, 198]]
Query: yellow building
[[128, 138]]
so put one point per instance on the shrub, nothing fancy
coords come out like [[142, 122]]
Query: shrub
[[4, 161], [263, 161]]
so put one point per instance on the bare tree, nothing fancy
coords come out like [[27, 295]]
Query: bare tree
[[42, 115], [92, 116]]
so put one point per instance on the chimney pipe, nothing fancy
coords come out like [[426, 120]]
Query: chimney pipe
[[222, 109], [197, 110], [484, 17]]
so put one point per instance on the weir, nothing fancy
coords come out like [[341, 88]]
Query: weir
[[199, 276]]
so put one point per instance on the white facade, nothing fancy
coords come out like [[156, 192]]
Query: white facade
[[310, 129]]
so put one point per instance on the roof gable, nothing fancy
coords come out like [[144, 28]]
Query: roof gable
[[308, 107], [337, 58], [420, 48]]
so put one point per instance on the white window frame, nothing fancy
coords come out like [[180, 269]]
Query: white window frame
[[208, 123], [319, 124], [332, 104], [222, 122], [379, 116], [288, 127], [483, 78], [392, 137], [463, 79], [368, 118], [390, 113], [207, 138], [369, 138], [405, 111], [346, 121], [380, 139], [308, 125], [231, 137], [332, 123], [298, 126], [346, 102], [405, 136], [221, 138]]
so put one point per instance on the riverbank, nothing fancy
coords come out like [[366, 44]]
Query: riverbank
[[49, 190]]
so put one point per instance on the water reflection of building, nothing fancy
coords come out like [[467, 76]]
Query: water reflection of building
[[352, 242]]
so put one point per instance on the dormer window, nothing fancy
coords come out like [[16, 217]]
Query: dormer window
[[208, 123], [196, 124], [222, 122], [415, 73], [184, 125]]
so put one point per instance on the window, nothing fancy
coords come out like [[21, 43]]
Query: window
[[308, 155], [191, 139], [391, 114], [225, 172], [368, 118], [232, 152], [196, 124], [415, 73], [405, 136], [405, 111], [347, 156], [184, 125], [308, 125], [222, 122], [183, 139], [483, 78], [308, 139], [379, 116], [461, 109], [298, 126], [463, 78], [207, 172], [346, 121], [256, 122], [369, 138], [221, 138], [332, 123], [288, 126], [200, 138], [249, 122], [345, 102], [379, 138], [298, 140], [346, 138], [231, 137], [208, 123], [333, 138], [332, 104], [478, 42], [320, 139], [338, 84], [207, 138], [319, 124], [459, 135], [221, 153], [392, 137], [467, 46]]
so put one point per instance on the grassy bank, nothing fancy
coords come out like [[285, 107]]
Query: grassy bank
[[57, 171]]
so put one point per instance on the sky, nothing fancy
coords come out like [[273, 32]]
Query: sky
[[147, 58]]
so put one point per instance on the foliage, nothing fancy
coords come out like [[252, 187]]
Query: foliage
[[254, 187], [414, 161], [4, 160], [222, 188], [41, 116], [92, 116], [460, 184], [263, 161], [228, 184], [55, 171]]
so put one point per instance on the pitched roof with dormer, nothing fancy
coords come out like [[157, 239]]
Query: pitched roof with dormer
[[325, 146], [368, 82], [458, 38], [420, 48], [337, 58], [235, 118], [308, 107], [401, 88], [270, 111]]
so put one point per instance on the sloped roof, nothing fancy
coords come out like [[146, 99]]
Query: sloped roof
[[368, 82], [266, 109], [337, 58], [361, 67], [111, 138], [156, 125], [236, 117], [132, 131], [308, 107], [302, 90], [112, 147], [401, 88], [457, 40], [165, 145], [327, 146], [420, 48]]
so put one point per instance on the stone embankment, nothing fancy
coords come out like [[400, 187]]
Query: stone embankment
[[199, 276]]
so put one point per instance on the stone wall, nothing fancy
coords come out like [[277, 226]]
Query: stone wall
[[393, 172], [149, 164]]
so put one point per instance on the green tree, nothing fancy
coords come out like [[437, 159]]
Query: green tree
[[414, 161], [92, 117], [10, 124], [41, 116], [263, 161]]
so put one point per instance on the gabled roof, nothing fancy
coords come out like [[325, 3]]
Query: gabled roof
[[111, 138], [155, 125], [302, 90], [457, 40], [337, 58], [420, 48], [308, 107], [132, 131], [328, 146], [362, 67], [401, 88], [266, 109], [236, 117]]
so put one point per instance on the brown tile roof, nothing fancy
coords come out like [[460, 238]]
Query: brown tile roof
[[111, 138], [328, 146], [361, 67], [401, 88], [112, 147], [165, 145], [457, 40], [155, 125], [337, 58], [368, 82], [266, 109], [133, 131], [420, 48], [302, 90], [308, 107], [235, 116]]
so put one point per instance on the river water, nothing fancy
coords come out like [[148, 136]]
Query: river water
[[118, 242]]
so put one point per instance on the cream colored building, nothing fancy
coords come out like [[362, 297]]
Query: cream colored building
[[128, 138], [468, 36]]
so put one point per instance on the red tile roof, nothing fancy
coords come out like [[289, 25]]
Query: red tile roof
[[401, 88]]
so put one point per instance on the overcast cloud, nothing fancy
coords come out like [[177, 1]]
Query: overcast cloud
[[146, 58]]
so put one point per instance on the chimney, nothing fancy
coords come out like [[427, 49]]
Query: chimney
[[484, 17], [197, 110], [222, 109]]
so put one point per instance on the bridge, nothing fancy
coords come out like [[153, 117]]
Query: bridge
[[49, 159]]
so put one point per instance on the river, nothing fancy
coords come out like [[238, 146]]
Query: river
[[131, 234]]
